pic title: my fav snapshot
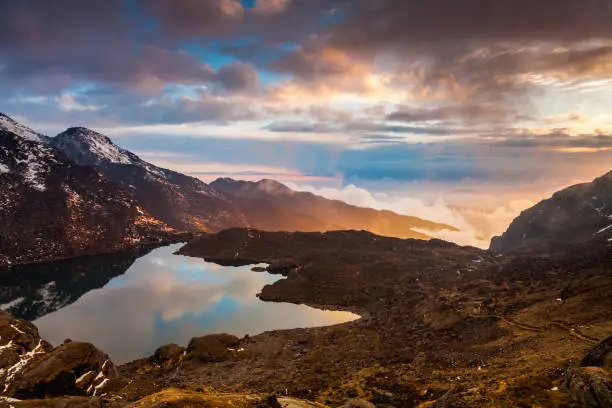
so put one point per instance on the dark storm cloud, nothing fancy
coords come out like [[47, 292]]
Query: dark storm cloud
[[405, 22]]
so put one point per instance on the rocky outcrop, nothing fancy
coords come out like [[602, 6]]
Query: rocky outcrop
[[31, 368], [591, 387], [576, 215], [599, 356], [168, 354], [74, 368]]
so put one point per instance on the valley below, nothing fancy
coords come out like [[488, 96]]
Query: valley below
[[441, 325]]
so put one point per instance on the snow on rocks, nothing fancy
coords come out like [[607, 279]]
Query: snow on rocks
[[11, 304], [604, 229], [10, 125], [31, 368], [90, 146], [32, 160]]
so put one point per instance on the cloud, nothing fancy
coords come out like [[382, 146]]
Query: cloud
[[406, 23], [238, 76], [268, 7], [193, 18], [467, 113], [476, 225], [299, 127]]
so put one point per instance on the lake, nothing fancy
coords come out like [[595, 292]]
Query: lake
[[130, 303]]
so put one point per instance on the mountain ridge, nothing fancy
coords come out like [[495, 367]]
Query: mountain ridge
[[168, 199], [576, 215]]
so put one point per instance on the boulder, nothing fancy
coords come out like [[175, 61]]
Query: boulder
[[73, 368], [213, 348], [20, 348], [167, 354], [268, 401], [589, 386], [599, 356], [357, 403]]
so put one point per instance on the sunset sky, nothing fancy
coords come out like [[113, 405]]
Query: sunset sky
[[458, 111]]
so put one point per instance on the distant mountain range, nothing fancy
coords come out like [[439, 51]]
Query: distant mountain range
[[79, 193], [272, 206], [577, 215]]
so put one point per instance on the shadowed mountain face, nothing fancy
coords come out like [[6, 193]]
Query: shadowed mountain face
[[576, 215], [183, 202], [52, 208], [31, 291], [273, 206]]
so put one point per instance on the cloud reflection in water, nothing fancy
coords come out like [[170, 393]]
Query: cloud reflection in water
[[165, 298]]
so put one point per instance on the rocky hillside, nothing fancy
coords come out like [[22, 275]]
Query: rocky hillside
[[576, 215], [183, 202], [10, 125], [273, 206], [52, 208]]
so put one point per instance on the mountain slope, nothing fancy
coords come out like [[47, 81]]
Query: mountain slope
[[576, 215], [181, 201], [9, 124], [273, 206], [52, 208]]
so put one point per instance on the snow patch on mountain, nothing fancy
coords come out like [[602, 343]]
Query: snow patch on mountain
[[10, 125], [96, 144]]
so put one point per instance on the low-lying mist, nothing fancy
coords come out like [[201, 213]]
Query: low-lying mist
[[477, 211]]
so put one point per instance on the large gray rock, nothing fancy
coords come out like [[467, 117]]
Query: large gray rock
[[74, 368], [599, 356], [589, 386]]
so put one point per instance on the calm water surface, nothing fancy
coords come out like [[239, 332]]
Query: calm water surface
[[161, 298]]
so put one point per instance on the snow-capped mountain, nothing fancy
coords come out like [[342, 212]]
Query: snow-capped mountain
[[91, 190], [9, 124], [51, 208], [573, 216], [182, 202]]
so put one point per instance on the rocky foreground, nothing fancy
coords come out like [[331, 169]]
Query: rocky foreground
[[441, 326]]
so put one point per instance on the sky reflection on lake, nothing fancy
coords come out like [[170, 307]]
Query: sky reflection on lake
[[165, 298]]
